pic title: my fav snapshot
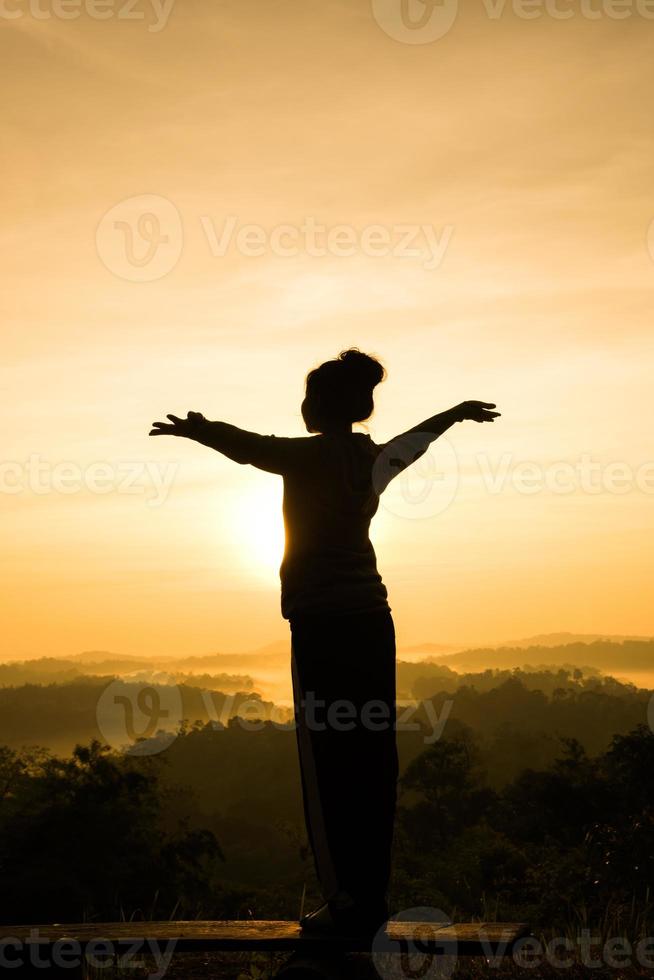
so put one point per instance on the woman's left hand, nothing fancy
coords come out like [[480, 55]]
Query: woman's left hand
[[178, 427]]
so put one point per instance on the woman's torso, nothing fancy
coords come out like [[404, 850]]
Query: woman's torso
[[329, 563]]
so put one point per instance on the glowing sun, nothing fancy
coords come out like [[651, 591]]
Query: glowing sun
[[256, 521]]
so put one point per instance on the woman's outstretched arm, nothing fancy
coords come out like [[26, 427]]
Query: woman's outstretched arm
[[266, 452], [409, 446]]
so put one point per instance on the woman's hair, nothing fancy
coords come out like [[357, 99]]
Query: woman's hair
[[339, 392]]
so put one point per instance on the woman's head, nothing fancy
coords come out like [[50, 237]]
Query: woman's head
[[339, 392]]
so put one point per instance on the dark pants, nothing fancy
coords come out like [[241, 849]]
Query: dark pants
[[344, 690]]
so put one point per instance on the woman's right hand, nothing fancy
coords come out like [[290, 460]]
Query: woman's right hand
[[477, 411]]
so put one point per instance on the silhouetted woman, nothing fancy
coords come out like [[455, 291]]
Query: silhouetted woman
[[342, 633]]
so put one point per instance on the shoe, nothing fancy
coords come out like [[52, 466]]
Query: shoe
[[320, 920], [351, 922]]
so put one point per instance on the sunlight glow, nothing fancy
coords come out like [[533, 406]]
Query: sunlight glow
[[257, 527]]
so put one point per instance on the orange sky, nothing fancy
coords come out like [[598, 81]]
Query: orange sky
[[523, 146]]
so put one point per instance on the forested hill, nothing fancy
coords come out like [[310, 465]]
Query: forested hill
[[606, 655]]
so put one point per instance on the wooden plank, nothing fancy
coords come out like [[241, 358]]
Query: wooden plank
[[463, 939]]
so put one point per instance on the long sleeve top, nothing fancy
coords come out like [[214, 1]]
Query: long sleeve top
[[329, 564]]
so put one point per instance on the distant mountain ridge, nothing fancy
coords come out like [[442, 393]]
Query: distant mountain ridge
[[604, 654], [561, 639], [612, 652]]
